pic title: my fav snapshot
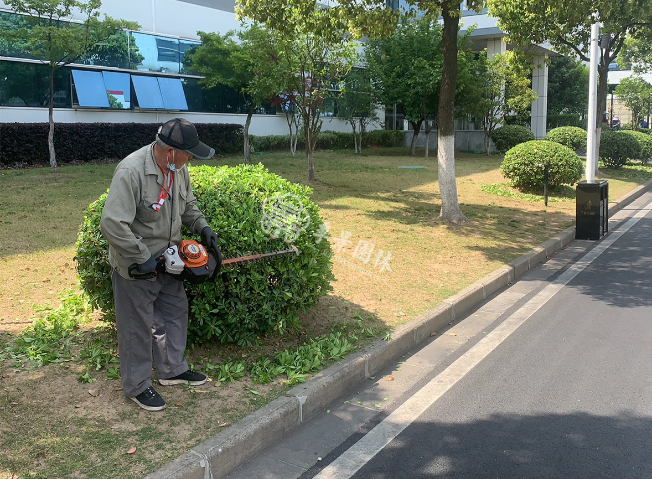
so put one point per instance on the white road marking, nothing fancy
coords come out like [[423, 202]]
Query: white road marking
[[352, 460]]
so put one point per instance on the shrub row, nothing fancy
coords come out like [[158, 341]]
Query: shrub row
[[330, 140], [27, 143]]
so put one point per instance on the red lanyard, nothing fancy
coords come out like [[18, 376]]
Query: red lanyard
[[164, 190]]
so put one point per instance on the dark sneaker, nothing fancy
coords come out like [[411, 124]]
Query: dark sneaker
[[191, 378], [150, 400]]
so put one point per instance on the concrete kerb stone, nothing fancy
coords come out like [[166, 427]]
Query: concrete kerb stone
[[221, 454]]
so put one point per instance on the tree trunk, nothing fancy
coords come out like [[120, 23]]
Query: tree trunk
[[53, 156], [450, 209], [428, 129], [416, 129], [355, 135], [309, 155], [293, 126], [247, 147], [603, 89]]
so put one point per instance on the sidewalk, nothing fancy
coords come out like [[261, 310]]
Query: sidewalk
[[221, 454]]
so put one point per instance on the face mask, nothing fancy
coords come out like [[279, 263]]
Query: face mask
[[172, 167]]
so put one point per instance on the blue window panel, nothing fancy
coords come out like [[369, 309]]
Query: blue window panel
[[118, 88], [147, 91], [90, 89], [172, 92]]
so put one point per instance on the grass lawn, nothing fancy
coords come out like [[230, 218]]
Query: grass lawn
[[393, 260]]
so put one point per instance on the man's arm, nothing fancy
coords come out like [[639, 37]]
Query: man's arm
[[118, 214], [191, 217]]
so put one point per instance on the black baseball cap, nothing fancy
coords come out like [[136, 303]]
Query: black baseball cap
[[182, 134]]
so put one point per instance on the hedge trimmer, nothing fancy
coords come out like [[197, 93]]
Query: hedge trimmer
[[192, 262]]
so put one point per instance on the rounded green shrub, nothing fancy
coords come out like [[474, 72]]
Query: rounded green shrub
[[571, 136], [523, 164], [508, 136], [644, 143], [618, 147], [245, 301]]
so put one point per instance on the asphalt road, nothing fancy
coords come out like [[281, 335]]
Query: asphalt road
[[551, 379]]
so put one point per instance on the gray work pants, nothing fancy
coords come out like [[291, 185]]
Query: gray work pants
[[151, 318]]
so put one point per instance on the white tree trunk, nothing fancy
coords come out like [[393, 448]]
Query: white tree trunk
[[450, 210]]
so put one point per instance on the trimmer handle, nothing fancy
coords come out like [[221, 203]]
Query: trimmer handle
[[160, 268]]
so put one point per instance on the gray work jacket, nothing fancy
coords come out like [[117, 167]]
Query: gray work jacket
[[134, 230]]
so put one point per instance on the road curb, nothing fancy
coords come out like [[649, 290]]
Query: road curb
[[221, 454]]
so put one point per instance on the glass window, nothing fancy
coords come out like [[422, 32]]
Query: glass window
[[159, 54], [168, 50], [26, 84], [172, 93], [119, 50], [16, 48], [90, 89], [186, 48], [118, 89], [194, 94], [148, 93]]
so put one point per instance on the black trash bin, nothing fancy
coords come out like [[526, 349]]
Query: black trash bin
[[592, 210]]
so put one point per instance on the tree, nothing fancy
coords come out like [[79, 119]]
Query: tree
[[568, 86], [567, 27], [450, 13], [286, 102], [504, 89], [316, 49], [50, 37], [244, 65], [356, 104], [406, 69], [635, 94], [636, 53]]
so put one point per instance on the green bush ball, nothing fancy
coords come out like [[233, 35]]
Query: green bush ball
[[617, 148], [645, 144], [508, 136], [571, 136], [247, 301], [523, 164]]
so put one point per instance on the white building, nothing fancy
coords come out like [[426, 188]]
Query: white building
[[151, 85]]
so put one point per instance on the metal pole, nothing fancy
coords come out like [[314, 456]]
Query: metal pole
[[591, 135]]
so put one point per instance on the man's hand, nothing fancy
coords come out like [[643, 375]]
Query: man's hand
[[148, 266], [145, 270], [209, 238]]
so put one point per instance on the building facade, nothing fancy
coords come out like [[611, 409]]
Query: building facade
[[140, 76]]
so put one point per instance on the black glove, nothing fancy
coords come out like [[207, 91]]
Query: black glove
[[209, 238], [144, 270]]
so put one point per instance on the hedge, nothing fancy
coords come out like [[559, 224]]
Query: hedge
[[644, 142], [27, 143], [331, 140], [244, 302], [523, 164], [571, 136], [508, 136], [617, 148]]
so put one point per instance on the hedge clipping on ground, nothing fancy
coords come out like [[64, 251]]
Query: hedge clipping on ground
[[247, 301], [524, 164]]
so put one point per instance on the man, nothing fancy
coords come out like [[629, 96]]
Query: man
[[149, 199]]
